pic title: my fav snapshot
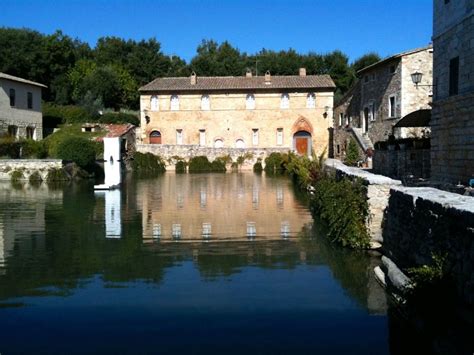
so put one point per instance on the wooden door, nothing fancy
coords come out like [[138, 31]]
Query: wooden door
[[155, 137], [302, 145]]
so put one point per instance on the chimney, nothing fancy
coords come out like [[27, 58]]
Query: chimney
[[248, 74], [268, 77], [302, 71], [193, 78]]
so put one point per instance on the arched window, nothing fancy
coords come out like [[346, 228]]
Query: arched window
[[239, 143], [250, 102], [174, 103], [154, 103], [155, 137], [30, 132], [285, 101], [13, 131], [218, 143], [311, 100], [205, 102]]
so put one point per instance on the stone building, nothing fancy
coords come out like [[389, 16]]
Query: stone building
[[383, 94], [452, 140], [230, 115], [20, 107]]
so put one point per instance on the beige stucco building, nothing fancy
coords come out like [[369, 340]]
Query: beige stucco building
[[229, 115], [20, 107]]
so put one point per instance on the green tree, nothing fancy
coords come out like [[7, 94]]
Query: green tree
[[365, 61], [352, 154]]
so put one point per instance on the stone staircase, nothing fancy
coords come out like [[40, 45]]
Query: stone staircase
[[362, 138]]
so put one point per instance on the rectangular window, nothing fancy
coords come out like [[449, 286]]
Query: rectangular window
[[179, 136], [280, 136], [391, 106], [12, 97], [202, 137], [392, 69], [341, 118], [372, 111], [255, 136], [366, 79], [453, 76], [30, 100]]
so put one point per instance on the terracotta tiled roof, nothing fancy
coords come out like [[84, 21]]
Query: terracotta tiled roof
[[115, 130], [21, 80], [240, 83]]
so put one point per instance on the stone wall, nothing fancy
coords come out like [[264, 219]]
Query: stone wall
[[170, 152], [452, 133], [421, 221], [20, 116], [28, 167], [378, 190], [452, 139], [415, 223], [401, 163]]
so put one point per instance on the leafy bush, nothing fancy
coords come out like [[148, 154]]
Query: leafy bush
[[257, 167], [35, 177], [17, 175], [429, 274], [79, 150], [56, 175], [343, 205], [180, 167], [54, 115], [200, 164], [274, 164], [119, 117], [352, 154], [66, 132], [34, 149], [147, 163], [218, 166], [9, 148]]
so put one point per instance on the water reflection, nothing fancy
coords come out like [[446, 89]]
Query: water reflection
[[231, 203], [113, 215], [250, 262]]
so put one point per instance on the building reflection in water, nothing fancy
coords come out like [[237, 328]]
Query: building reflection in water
[[22, 218], [222, 206], [113, 215]]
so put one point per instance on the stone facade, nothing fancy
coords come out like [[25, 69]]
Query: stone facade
[[24, 119], [383, 95], [169, 152], [401, 163], [420, 222], [452, 146], [224, 118]]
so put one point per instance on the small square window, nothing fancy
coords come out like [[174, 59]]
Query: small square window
[[392, 69]]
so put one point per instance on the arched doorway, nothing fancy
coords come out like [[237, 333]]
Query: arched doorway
[[155, 137], [302, 142]]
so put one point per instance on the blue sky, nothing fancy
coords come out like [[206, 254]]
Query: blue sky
[[353, 26]]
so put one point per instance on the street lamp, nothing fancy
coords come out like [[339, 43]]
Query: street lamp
[[416, 78]]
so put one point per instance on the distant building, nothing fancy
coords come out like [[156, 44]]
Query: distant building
[[231, 114], [381, 97], [452, 140], [20, 108]]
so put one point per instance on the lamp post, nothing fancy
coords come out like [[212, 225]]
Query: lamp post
[[416, 78]]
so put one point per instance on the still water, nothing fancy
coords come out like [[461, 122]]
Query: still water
[[211, 263]]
